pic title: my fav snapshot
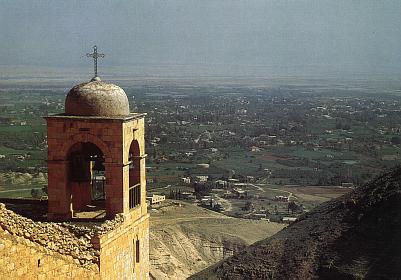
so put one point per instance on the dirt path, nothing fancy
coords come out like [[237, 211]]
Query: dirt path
[[290, 194], [257, 187], [169, 220], [18, 190], [225, 203]]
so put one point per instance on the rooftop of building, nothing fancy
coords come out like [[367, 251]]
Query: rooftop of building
[[96, 98]]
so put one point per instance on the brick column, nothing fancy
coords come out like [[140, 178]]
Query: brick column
[[59, 206], [142, 172], [114, 189]]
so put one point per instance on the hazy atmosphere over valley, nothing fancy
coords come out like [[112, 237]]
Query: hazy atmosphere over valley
[[200, 139], [211, 37]]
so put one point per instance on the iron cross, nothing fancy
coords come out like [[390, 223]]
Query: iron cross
[[95, 55]]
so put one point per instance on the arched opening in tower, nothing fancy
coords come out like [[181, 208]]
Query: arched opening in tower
[[86, 180], [134, 175]]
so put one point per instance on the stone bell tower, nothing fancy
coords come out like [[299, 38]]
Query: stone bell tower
[[96, 159]]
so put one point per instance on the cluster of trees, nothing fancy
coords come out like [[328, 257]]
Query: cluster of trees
[[396, 140], [39, 193], [294, 208], [175, 194], [342, 125], [202, 189]]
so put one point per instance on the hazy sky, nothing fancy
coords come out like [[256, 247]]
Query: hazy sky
[[343, 35]]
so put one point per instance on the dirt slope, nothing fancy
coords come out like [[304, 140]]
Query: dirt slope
[[356, 236], [186, 239]]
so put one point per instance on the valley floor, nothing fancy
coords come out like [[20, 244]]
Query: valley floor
[[184, 238]]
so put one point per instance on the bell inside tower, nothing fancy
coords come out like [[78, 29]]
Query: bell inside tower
[[98, 178], [87, 178]]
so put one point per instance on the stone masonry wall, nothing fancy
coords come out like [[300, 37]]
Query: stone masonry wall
[[22, 259], [52, 236], [117, 253], [48, 250]]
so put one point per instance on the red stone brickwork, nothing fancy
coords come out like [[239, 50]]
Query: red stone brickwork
[[121, 141]]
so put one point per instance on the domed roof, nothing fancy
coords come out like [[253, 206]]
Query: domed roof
[[96, 98]]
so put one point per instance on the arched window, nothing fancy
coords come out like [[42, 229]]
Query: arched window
[[86, 178], [137, 251], [134, 175]]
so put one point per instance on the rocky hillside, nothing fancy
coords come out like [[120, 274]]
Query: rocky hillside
[[184, 239], [356, 236]]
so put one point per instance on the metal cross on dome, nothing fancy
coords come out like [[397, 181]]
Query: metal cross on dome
[[95, 55]]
